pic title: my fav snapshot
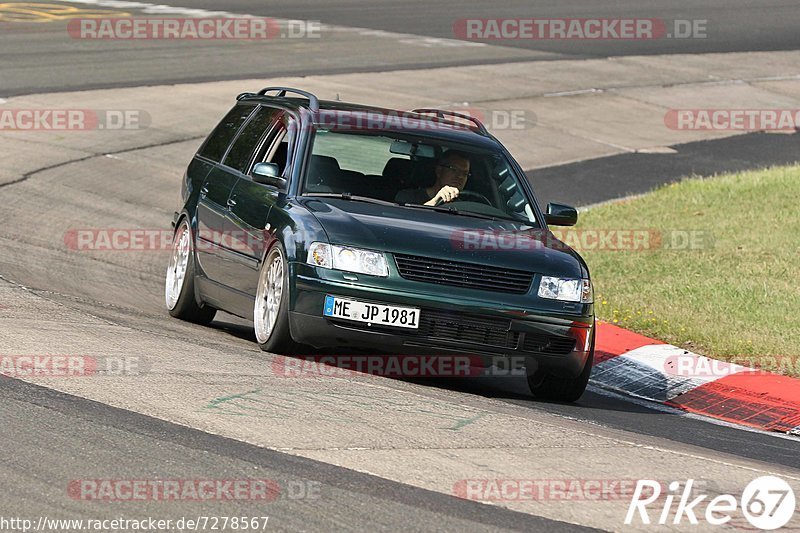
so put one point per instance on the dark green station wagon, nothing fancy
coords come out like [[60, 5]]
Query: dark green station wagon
[[343, 226]]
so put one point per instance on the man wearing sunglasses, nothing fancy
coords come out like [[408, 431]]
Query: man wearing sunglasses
[[452, 172]]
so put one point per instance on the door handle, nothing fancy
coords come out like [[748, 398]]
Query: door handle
[[231, 202], [203, 190]]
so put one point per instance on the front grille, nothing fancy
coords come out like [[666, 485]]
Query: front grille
[[547, 344], [444, 272], [466, 328], [453, 326]]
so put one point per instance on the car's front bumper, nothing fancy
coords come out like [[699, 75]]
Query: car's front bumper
[[448, 324]]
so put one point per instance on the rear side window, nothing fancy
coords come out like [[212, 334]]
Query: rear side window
[[246, 143], [223, 134]]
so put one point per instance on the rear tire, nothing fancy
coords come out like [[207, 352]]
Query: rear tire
[[179, 282], [547, 386], [271, 309]]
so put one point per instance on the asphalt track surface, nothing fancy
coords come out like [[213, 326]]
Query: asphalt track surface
[[348, 500], [41, 58], [82, 432], [603, 179], [733, 25]]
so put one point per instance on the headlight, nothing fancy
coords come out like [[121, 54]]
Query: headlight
[[326, 255], [567, 290]]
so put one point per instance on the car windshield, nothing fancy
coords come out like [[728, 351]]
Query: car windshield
[[411, 172]]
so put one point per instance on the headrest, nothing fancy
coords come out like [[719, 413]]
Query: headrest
[[397, 167]]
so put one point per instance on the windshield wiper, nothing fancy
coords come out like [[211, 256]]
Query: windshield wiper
[[348, 196], [454, 211], [442, 208]]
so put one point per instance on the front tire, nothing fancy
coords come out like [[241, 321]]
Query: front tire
[[271, 310], [179, 280], [547, 386]]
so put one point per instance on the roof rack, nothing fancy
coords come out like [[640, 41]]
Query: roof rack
[[441, 113], [313, 101]]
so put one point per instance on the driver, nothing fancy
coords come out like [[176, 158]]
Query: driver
[[452, 172]]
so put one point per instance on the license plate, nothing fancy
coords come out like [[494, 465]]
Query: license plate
[[384, 315]]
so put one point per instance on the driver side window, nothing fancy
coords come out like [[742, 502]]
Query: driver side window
[[277, 146], [241, 152]]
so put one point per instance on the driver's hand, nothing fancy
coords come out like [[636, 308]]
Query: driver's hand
[[446, 194]]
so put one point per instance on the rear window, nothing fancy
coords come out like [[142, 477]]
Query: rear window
[[223, 134], [360, 153]]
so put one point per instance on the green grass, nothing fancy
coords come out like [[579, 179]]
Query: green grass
[[736, 299]]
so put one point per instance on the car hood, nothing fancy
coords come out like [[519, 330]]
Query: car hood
[[429, 233]]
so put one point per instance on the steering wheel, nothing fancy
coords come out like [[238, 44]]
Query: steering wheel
[[470, 196]]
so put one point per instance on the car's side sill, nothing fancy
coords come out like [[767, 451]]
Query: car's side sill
[[224, 298]]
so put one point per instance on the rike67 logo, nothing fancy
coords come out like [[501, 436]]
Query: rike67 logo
[[767, 503]]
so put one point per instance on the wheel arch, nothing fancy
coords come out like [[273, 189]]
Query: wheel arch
[[192, 220]]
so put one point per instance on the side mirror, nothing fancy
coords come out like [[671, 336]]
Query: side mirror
[[560, 215], [268, 174]]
